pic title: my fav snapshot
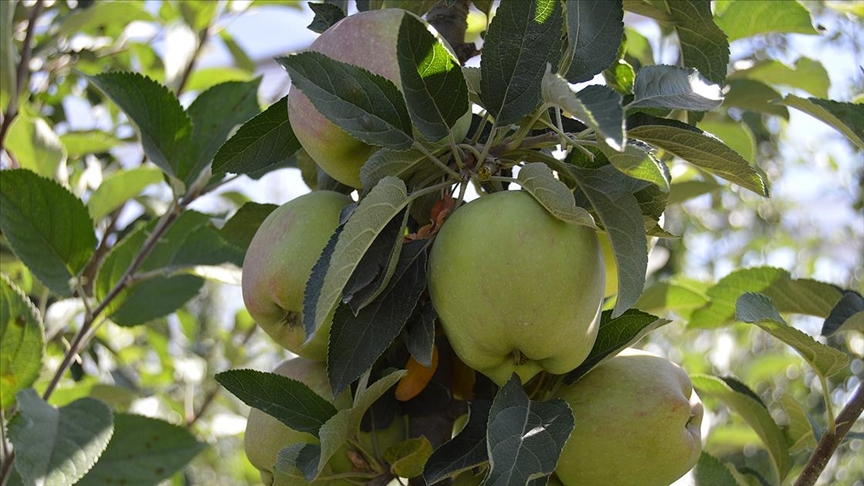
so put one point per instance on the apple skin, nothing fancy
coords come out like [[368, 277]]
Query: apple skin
[[278, 263], [366, 39], [507, 279], [637, 423]]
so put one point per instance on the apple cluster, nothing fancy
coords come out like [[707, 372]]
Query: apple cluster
[[515, 291]]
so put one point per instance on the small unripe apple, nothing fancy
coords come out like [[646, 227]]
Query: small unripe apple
[[366, 39], [515, 289], [278, 263], [637, 423]]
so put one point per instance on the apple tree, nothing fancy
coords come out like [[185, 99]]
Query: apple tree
[[494, 278]]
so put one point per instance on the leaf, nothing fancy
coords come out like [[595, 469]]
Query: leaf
[[326, 14], [421, 333], [164, 127], [58, 446], [847, 315], [755, 96], [741, 400], [367, 106], [290, 401], [800, 296], [466, 450], [615, 334], [807, 74], [8, 54], [242, 226], [746, 19], [608, 191], [416, 378], [638, 162], [734, 134], [214, 114], [703, 44], [799, 432], [205, 78], [375, 269], [536, 179], [524, 437], [357, 341], [35, 144], [407, 458], [756, 308], [143, 451], [432, 82], [375, 210], [597, 106], [698, 148], [386, 162], [101, 14], [846, 118], [265, 141], [670, 296], [662, 86], [594, 33], [47, 227], [119, 187], [710, 471], [523, 37], [22, 342]]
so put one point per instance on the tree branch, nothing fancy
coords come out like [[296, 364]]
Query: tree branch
[[22, 75]]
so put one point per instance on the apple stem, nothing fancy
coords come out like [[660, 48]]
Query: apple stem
[[832, 439]]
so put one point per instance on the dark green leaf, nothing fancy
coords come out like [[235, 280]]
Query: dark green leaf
[[241, 228], [421, 333], [703, 44], [290, 401], [304, 457], [594, 32], [386, 162], [745, 19], [847, 315], [56, 447], [525, 438], [847, 118], [597, 106], [22, 342], [143, 451], [164, 127], [376, 267], [466, 450], [523, 37], [432, 81], [756, 96], [46, 226], [263, 142], [614, 335], [366, 105], [662, 86], [326, 14], [711, 472]]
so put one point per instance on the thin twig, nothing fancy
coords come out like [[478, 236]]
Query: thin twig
[[22, 75]]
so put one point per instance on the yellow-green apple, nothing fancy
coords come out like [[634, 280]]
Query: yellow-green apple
[[515, 289], [366, 39], [278, 263], [637, 423]]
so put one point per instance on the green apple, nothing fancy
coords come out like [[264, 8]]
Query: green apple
[[637, 423], [516, 290], [278, 263], [265, 436], [366, 39]]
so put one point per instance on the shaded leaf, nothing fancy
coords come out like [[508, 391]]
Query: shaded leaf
[[710, 471], [846, 118], [799, 431], [326, 14], [594, 33], [755, 96], [597, 106], [674, 87], [536, 179], [398, 163], [22, 342], [703, 44], [421, 333], [466, 450], [407, 458], [242, 226], [847, 315]]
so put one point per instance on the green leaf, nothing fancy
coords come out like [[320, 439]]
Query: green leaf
[[215, 114], [710, 471], [206, 78], [800, 296], [597, 106], [846, 118], [290, 401], [367, 106], [799, 432], [615, 334], [638, 162], [609, 192], [143, 451], [326, 14], [357, 340], [46, 226], [740, 19], [78, 144], [756, 96], [524, 437], [22, 342], [691, 188], [241, 228], [120, 187], [101, 14], [703, 44], [847, 315], [56, 447], [696, 147], [743, 401], [420, 330], [264, 141], [408, 458], [536, 179], [386, 162], [523, 37], [466, 450], [164, 127], [34, 144], [758, 309], [807, 74], [434, 88], [670, 296], [382, 204], [594, 33], [734, 134], [662, 86], [8, 55]]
